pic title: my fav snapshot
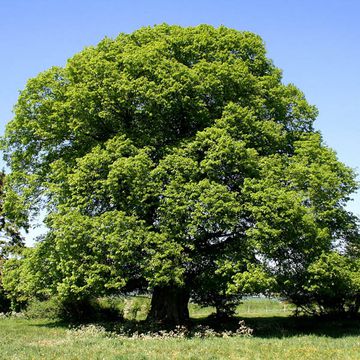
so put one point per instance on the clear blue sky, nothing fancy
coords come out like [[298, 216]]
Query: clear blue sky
[[316, 43]]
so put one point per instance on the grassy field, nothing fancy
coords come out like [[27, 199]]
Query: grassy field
[[276, 336]]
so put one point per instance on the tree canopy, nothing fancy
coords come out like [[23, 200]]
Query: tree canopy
[[175, 159]]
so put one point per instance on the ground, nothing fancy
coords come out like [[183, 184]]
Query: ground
[[276, 336]]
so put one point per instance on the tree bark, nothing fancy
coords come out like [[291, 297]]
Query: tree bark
[[169, 304]]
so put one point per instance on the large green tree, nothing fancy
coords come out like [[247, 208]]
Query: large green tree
[[175, 159]]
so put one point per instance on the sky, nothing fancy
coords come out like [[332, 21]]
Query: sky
[[315, 43]]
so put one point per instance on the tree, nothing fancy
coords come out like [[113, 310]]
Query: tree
[[10, 241], [174, 159]]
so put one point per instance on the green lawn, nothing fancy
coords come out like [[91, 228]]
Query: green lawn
[[276, 336]]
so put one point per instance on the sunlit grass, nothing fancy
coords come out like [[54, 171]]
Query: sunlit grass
[[254, 307], [264, 307]]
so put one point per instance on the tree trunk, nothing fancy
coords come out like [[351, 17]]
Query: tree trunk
[[169, 304]]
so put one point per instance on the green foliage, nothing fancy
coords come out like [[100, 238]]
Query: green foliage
[[57, 309], [253, 280], [45, 309], [97, 309], [333, 284], [213, 291], [11, 219], [11, 242], [174, 157], [13, 285], [20, 280]]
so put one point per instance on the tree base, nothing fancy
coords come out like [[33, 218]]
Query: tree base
[[169, 305]]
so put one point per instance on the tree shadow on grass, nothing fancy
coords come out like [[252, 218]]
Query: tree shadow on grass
[[263, 327], [279, 327]]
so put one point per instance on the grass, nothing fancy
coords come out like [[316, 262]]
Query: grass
[[276, 336], [259, 307], [256, 307]]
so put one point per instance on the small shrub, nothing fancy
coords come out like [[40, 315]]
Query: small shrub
[[85, 310], [332, 286], [47, 309]]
